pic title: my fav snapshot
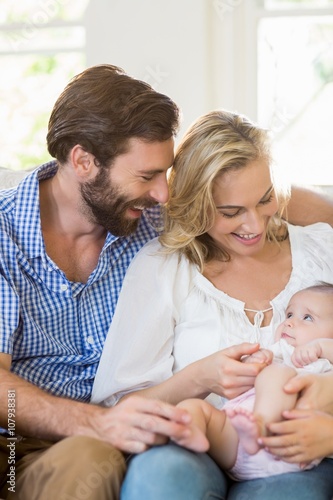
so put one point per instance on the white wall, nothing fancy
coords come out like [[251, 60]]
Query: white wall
[[183, 48]]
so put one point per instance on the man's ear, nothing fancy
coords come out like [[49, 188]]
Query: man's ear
[[83, 163]]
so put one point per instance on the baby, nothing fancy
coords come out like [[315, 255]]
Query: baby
[[304, 342]]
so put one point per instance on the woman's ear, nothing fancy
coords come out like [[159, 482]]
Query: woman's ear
[[83, 162]]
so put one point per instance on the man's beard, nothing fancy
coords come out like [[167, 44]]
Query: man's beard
[[106, 206]]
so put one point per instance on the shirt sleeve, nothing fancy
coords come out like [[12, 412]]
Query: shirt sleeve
[[138, 350], [314, 253], [9, 315]]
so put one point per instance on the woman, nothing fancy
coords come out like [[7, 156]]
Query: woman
[[216, 284]]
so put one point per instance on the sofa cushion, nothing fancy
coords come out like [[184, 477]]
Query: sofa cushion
[[10, 178]]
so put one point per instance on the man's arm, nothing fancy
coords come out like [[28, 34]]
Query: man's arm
[[131, 426], [309, 205]]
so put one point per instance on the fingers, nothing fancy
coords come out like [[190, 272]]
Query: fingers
[[261, 356], [152, 422], [304, 356], [137, 440], [136, 423], [161, 426], [296, 414], [297, 384], [234, 391], [285, 448], [281, 429], [165, 410], [304, 385], [237, 351], [153, 407]]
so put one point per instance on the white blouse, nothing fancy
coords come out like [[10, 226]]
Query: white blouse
[[169, 315]]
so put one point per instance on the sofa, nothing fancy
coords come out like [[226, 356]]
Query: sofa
[[10, 178]]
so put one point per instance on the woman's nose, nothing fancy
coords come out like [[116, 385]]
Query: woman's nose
[[255, 222]]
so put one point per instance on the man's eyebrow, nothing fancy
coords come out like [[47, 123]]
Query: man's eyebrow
[[269, 190]]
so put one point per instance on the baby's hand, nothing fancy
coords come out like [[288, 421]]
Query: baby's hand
[[306, 354], [261, 356]]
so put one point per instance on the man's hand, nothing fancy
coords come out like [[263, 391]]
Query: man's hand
[[137, 423]]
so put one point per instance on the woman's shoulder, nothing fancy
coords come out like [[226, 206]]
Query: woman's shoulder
[[312, 229], [154, 249], [312, 250], [154, 258], [315, 235]]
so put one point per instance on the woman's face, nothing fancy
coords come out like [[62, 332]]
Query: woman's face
[[245, 201]]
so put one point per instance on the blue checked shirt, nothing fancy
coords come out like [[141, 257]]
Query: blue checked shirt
[[54, 328]]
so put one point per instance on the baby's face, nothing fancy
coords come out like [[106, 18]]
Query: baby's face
[[309, 316]]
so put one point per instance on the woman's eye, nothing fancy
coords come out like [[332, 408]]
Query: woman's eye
[[267, 200], [229, 215]]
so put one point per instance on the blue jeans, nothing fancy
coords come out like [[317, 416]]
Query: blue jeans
[[170, 471], [173, 473], [314, 484]]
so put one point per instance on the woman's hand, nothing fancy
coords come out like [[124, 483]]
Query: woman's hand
[[261, 356], [223, 372], [307, 432], [315, 391], [303, 437]]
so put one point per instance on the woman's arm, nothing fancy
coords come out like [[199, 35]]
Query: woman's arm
[[138, 354], [307, 206], [221, 373]]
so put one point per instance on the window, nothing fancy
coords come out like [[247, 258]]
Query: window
[[42, 45], [295, 85]]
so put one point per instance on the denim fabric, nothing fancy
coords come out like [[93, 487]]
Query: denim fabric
[[314, 484], [169, 471]]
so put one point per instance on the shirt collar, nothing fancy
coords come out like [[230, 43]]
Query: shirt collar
[[27, 216]]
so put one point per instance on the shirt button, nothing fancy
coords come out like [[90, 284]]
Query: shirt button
[[90, 339], [63, 287]]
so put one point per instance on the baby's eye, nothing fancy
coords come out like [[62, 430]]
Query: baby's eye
[[308, 317], [289, 315]]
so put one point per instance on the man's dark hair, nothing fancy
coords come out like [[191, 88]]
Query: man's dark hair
[[102, 108]]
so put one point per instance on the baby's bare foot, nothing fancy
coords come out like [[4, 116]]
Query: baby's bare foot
[[248, 428]]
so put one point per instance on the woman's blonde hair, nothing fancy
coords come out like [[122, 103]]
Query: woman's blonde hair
[[216, 143]]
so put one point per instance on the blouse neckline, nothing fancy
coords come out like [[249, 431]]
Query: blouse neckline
[[210, 290]]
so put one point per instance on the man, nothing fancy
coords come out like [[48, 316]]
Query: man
[[68, 233]]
